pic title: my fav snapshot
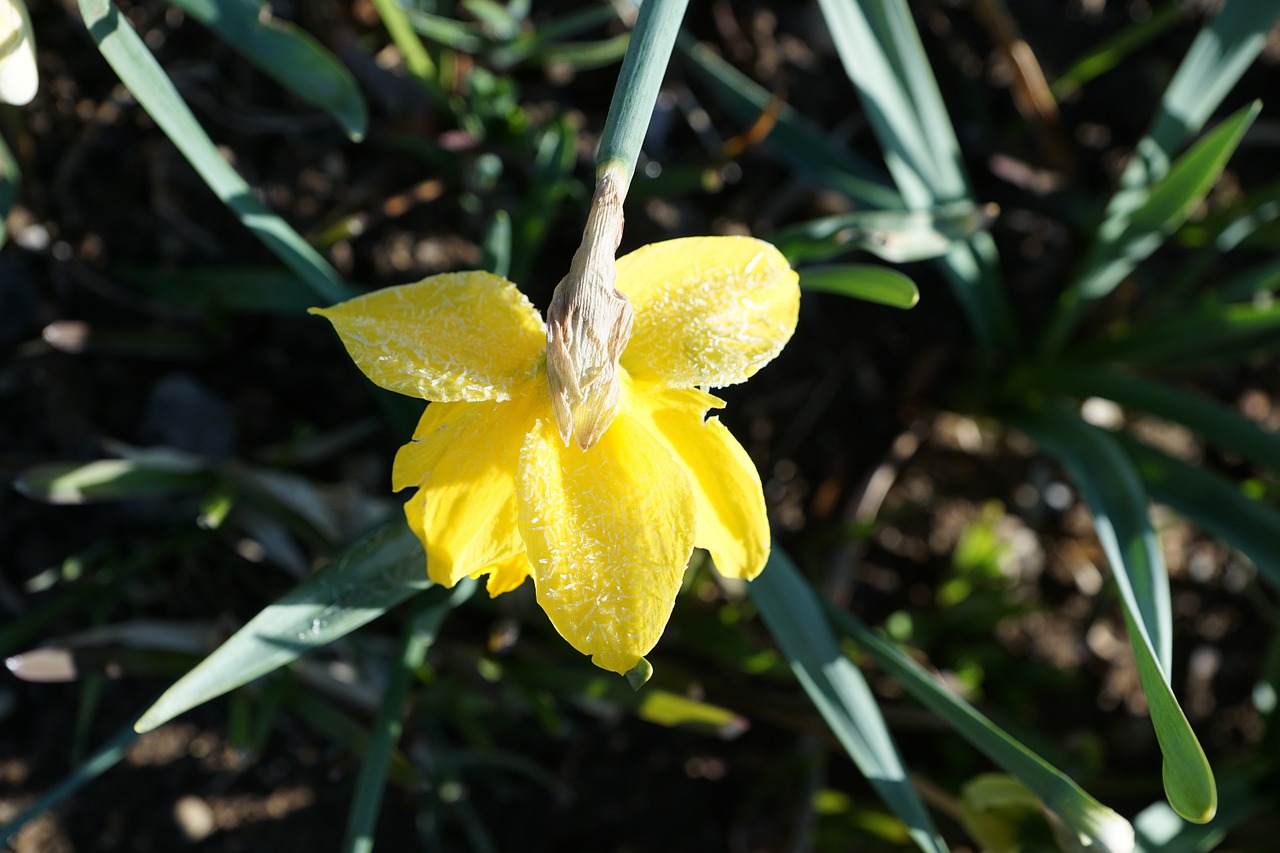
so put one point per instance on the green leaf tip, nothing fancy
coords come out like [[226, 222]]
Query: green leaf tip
[[639, 674], [1193, 796]]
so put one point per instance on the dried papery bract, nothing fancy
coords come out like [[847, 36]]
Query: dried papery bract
[[589, 323]]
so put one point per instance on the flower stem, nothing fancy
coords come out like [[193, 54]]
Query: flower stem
[[589, 320], [643, 68]]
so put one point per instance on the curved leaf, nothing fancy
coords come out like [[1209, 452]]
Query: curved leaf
[[1106, 830], [863, 281], [288, 55], [1218, 424], [1111, 488], [1214, 503], [794, 616], [144, 77], [360, 584]]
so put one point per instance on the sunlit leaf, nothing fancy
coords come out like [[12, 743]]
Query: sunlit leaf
[[1113, 492]]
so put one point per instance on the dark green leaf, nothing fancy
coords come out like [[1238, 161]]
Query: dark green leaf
[[360, 583], [793, 614], [287, 54]]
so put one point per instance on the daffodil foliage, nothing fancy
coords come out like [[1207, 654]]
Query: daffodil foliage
[[605, 533]]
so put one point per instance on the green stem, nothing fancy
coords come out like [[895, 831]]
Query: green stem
[[643, 68]]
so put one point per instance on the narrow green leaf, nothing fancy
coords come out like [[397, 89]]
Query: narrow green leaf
[[1213, 503], [419, 633], [497, 245], [144, 77], [1113, 50], [1128, 237], [107, 756], [1209, 334], [270, 290], [532, 43], [897, 236], [554, 161], [1245, 792], [363, 581], [1218, 58], [793, 614], [884, 58], [1055, 789], [1261, 280], [447, 32], [1218, 424], [109, 480], [861, 281], [1111, 488], [793, 139], [288, 55], [1192, 176], [416, 58], [882, 54], [10, 178]]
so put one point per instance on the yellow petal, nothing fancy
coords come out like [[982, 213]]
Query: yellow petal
[[18, 78], [506, 576], [732, 522], [608, 531], [709, 311], [457, 336], [465, 509]]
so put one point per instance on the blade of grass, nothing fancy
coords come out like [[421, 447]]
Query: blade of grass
[[1212, 502], [363, 581], [289, 55], [793, 614], [1113, 492], [1125, 239], [1218, 424], [874, 284], [419, 633], [125, 51], [1055, 789]]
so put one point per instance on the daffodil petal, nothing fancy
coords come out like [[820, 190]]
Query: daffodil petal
[[709, 311], [18, 77], [507, 575], [458, 336], [732, 522], [465, 509], [608, 532]]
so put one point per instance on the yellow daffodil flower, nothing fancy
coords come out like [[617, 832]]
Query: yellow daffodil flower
[[17, 54], [604, 532]]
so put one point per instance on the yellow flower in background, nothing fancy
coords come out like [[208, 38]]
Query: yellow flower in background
[[606, 532], [17, 54]]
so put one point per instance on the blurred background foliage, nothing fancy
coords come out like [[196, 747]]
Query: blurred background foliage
[[1051, 485]]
